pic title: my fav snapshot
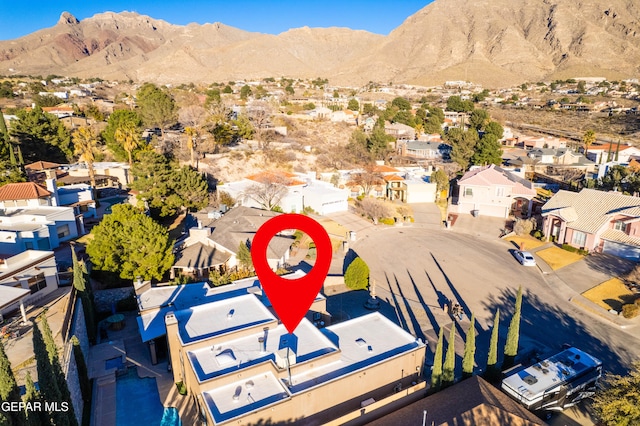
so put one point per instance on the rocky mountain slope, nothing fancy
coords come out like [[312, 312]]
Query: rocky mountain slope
[[493, 42]]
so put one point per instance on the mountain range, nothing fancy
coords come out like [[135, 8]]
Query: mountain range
[[492, 42]]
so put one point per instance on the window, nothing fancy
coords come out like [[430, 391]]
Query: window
[[468, 192], [579, 239], [63, 231], [37, 283], [499, 191], [619, 225]]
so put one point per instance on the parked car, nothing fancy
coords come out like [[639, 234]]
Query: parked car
[[525, 258]]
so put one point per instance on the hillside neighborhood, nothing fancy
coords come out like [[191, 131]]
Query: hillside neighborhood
[[484, 249]]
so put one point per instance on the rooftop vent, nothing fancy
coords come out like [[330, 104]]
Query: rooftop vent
[[236, 395], [230, 313], [249, 384], [361, 342]]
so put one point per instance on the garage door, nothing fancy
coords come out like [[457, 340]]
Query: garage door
[[621, 250]]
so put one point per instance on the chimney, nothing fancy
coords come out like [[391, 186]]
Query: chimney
[[52, 187], [262, 345]]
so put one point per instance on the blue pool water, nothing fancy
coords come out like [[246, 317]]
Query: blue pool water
[[138, 403]]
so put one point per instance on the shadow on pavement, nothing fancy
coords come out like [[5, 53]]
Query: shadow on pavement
[[553, 327]]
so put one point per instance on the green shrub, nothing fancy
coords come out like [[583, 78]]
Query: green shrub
[[357, 275], [182, 389], [537, 234], [387, 221], [360, 197], [630, 310], [569, 248]]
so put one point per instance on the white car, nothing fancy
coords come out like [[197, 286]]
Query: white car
[[525, 258]]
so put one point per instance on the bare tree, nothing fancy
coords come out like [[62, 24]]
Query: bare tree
[[375, 209], [367, 179], [269, 189], [259, 113]]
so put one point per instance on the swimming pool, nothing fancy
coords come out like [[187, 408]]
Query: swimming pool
[[138, 403]]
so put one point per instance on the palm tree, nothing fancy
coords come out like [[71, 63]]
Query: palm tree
[[588, 139], [127, 135], [85, 144]]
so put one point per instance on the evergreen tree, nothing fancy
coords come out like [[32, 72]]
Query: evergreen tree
[[9, 389], [83, 374], [46, 378], [436, 371], [487, 151], [449, 373], [82, 285], [357, 275], [56, 369], [131, 243], [34, 417], [511, 346], [493, 370], [244, 256], [469, 349]]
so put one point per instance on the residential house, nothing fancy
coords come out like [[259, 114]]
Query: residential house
[[300, 191], [154, 302], [25, 278], [431, 150], [32, 218], [214, 247], [603, 153], [607, 222], [493, 191], [107, 174], [240, 364], [400, 131], [553, 161], [542, 142]]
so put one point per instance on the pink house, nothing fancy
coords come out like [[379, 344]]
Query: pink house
[[492, 191], [606, 222]]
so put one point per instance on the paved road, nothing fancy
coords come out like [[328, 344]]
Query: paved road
[[417, 268]]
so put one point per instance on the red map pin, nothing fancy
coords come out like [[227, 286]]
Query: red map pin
[[291, 299]]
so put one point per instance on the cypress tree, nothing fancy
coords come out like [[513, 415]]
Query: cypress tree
[[83, 374], [58, 374], [448, 376], [513, 336], [493, 370], [46, 377], [436, 372], [34, 417], [83, 287], [9, 389], [469, 349]]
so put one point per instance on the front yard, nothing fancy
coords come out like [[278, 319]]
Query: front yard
[[611, 294], [558, 258]]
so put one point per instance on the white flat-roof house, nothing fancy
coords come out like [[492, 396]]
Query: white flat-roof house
[[241, 366], [301, 191], [26, 278], [30, 218]]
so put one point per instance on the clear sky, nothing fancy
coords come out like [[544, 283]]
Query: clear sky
[[21, 17]]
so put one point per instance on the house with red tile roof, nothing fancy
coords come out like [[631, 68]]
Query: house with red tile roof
[[604, 153], [24, 194], [492, 191]]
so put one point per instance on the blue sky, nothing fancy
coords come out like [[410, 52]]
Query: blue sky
[[21, 17]]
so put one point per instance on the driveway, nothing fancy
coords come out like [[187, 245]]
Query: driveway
[[593, 270]]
